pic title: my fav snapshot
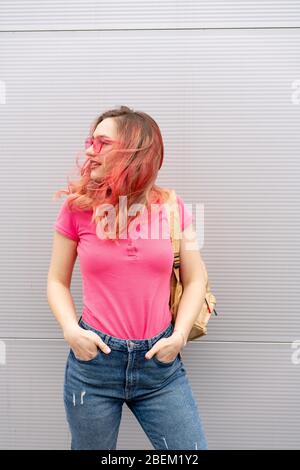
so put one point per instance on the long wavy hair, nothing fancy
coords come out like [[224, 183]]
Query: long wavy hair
[[137, 158]]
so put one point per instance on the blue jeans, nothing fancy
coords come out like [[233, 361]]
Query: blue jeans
[[158, 393]]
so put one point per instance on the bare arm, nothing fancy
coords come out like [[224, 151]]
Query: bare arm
[[64, 254], [193, 280], [83, 342]]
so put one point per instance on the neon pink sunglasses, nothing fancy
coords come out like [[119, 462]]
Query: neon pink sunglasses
[[97, 143]]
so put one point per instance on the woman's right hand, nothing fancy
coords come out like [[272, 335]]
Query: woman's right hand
[[84, 343]]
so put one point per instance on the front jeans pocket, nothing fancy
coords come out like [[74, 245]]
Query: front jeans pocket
[[82, 360], [161, 363]]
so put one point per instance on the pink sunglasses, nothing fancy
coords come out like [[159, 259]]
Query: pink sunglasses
[[97, 143]]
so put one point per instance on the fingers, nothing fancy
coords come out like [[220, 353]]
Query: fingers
[[157, 347], [151, 352], [99, 342], [103, 346]]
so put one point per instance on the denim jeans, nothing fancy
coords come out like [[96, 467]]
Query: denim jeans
[[158, 393]]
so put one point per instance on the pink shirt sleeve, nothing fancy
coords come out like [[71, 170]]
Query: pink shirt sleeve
[[186, 216], [65, 222]]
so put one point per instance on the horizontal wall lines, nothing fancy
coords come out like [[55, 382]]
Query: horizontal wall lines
[[148, 29]]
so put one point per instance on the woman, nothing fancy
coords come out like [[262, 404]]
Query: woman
[[124, 347]]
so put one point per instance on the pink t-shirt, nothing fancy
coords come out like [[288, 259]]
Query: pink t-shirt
[[126, 287]]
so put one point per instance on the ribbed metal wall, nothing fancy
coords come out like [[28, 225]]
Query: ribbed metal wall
[[222, 79]]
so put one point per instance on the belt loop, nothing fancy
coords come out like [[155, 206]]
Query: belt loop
[[105, 339]]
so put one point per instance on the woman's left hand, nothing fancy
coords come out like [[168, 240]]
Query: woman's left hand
[[168, 347]]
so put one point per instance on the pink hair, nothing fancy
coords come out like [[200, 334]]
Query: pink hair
[[132, 171]]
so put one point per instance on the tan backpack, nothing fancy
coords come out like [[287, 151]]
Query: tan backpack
[[200, 326]]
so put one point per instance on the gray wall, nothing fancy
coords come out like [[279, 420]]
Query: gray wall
[[222, 79]]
